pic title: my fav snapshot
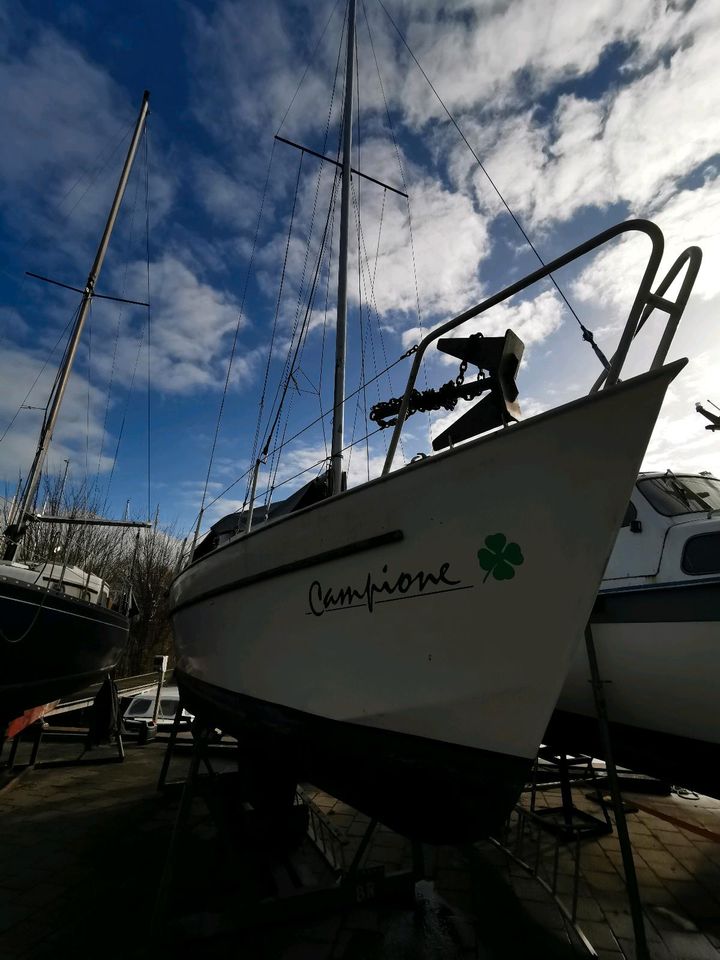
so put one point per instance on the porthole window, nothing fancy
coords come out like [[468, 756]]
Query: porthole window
[[702, 554]]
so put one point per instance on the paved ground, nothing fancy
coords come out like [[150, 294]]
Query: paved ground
[[85, 849], [676, 848]]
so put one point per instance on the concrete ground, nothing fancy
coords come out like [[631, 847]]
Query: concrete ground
[[85, 850]]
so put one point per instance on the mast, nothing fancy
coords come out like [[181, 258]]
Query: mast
[[341, 328], [15, 528]]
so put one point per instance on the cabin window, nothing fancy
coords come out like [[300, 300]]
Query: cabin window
[[168, 707], [702, 554], [140, 707], [630, 515], [674, 494]]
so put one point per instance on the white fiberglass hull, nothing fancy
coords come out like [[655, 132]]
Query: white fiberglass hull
[[657, 648], [370, 612]]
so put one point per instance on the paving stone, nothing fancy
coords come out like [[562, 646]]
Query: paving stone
[[689, 946], [621, 925], [657, 950], [601, 863], [589, 909], [600, 935], [605, 881]]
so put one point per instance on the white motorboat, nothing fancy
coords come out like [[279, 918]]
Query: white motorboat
[[655, 628]]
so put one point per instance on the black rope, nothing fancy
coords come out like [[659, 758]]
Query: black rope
[[587, 334]]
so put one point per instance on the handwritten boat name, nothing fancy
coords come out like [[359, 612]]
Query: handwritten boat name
[[324, 600]]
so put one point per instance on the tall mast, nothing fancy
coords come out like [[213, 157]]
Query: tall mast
[[14, 530], [341, 328]]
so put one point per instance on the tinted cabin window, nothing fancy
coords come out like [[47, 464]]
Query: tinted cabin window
[[678, 494], [702, 554], [168, 707]]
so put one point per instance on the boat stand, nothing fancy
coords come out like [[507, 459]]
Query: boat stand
[[270, 851], [567, 821], [91, 737], [631, 884]]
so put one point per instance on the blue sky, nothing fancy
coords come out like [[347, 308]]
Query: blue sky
[[584, 114]]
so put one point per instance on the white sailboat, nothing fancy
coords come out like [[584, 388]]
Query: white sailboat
[[463, 582], [655, 627]]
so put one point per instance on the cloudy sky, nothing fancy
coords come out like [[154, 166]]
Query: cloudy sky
[[584, 114]]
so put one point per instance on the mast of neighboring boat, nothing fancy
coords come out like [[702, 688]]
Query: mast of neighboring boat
[[341, 328], [14, 530]]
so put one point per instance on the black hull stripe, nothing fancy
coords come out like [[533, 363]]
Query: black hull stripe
[[437, 792], [676, 603], [393, 536]]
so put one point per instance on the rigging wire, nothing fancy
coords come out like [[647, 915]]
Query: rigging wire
[[587, 334], [148, 315], [138, 354], [324, 326], [113, 364], [248, 273], [102, 165], [299, 345], [87, 409], [318, 463], [275, 321], [304, 429], [49, 357], [307, 65], [286, 369], [413, 258]]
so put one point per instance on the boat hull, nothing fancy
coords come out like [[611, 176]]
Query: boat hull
[[657, 648], [51, 645], [441, 792], [496, 579]]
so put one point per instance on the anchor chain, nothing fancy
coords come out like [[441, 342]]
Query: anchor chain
[[423, 401]]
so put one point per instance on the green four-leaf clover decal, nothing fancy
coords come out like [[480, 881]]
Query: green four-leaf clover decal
[[500, 557]]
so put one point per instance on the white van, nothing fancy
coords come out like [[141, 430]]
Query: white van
[[140, 711]]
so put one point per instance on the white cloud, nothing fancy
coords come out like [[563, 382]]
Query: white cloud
[[503, 54], [632, 145], [689, 218], [79, 429]]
